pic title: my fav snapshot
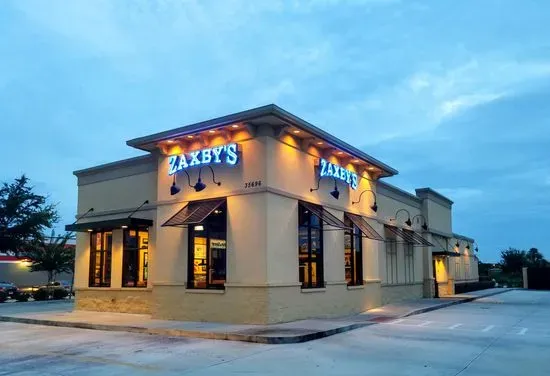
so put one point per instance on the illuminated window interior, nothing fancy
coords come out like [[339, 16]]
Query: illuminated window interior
[[353, 253], [135, 259], [310, 249], [101, 246]]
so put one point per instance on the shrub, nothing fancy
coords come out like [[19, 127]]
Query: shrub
[[21, 296], [41, 294], [59, 294], [3, 296]]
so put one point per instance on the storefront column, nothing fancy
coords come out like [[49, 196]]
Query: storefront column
[[373, 252], [116, 259], [333, 252], [428, 272], [82, 260]]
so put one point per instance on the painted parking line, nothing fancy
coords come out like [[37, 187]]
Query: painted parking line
[[522, 331], [425, 323], [454, 326], [487, 328]]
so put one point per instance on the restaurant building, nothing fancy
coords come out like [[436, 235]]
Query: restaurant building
[[258, 217]]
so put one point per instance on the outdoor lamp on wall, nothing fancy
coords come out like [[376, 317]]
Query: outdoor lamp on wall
[[199, 185], [408, 222], [457, 245], [175, 189], [425, 224], [334, 193], [374, 206]]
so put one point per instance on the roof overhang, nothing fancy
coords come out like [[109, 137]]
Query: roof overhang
[[270, 115], [109, 224]]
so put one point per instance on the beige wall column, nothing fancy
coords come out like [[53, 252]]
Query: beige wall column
[[170, 258], [333, 252], [82, 260], [428, 272], [116, 259], [247, 239], [373, 251], [282, 240]]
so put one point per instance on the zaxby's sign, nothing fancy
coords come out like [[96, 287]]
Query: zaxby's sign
[[338, 172], [226, 154]]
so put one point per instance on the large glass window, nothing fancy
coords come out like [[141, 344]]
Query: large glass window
[[353, 253], [101, 246], [310, 249], [207, 251], [135, 258], [409, 263]]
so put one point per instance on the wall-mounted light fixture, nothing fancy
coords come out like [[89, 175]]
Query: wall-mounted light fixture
[[408, 222], [457, 245], [374, 206], [334, 193], [425, 224], [199, 185]]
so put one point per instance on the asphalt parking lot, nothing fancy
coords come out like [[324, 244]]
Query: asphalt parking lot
[[507, 334]]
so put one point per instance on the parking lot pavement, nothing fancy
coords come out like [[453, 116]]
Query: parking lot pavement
[[507, 334], [65, 305]]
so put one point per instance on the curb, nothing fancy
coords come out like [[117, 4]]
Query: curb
[[230, 336], [452, 303]]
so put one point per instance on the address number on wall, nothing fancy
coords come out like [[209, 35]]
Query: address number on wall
[[252, 184]]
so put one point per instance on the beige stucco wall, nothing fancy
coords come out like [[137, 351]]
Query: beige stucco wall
[[262, 238]]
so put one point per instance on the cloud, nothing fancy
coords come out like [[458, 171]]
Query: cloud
[[461, 194]]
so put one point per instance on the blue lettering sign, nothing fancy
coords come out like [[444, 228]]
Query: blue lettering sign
[[216, 155], [338, 172]]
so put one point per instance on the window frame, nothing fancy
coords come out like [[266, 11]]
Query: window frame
[[319, 255], [408, 254], [356, 253], [126, 251], [191, 252], [105, 259], [391, 254]]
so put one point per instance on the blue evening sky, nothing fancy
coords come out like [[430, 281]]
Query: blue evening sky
[[453, 94]]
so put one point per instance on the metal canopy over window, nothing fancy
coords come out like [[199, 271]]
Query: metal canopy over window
[[443, 251], [324, 215], [194, 213], [408, 236], [365, 228], [109, 224]]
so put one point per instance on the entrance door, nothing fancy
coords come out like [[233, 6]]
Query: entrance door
[[436, 287]]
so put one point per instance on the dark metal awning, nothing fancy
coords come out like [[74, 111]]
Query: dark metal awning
[[193, 213], [365, 228], [324, 215], [109, 224], [408, 236], [446, 253]]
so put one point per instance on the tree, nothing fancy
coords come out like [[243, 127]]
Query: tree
[[512, 260], [534, 258], [52, 255], [24, 216]]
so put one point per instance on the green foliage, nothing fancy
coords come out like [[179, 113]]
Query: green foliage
[[59, 293], [52, 256], [24, 215], [513, 260], [41, 294]]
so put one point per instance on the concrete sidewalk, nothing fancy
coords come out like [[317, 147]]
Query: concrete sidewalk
[[291, 332]]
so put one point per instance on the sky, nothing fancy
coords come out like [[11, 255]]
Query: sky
[[453, 94]]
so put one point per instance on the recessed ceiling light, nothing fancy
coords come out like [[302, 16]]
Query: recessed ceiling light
[[189, 136], [340, 153], [296, 131], [124, 226], [234, 126], [320, 143], [211, 131], [355, 161], [89, 230], [372, 168], [169, 141]]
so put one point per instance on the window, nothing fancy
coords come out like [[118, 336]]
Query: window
[[101, 246], [353, 253], [409, 263], [467, 271], [457, 270], [207, 251], [310, 249], [135, 258], [391, 262]]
